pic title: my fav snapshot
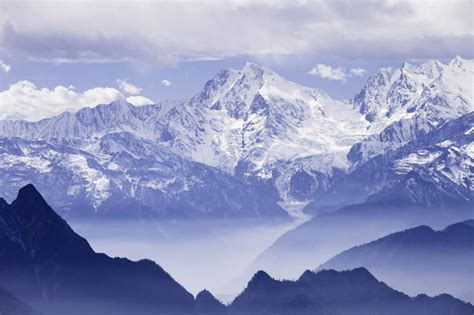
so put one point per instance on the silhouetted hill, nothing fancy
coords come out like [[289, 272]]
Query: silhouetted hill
[[10, 305], [327, 234], [354, 292], [46, 264], [207, 304], [418, 260]]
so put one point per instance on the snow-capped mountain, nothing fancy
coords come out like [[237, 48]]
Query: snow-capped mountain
[[437, 168], [247, 130], [121, 176], [402, 103], [255, 115]]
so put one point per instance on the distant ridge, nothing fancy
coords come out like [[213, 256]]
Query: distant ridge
[[354, 292], [418, 260]]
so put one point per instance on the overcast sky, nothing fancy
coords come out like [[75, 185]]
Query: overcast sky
[[70, 53]]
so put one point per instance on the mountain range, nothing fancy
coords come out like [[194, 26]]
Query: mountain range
[[354, 292], [440, 261], [45, 263], [249, 144]]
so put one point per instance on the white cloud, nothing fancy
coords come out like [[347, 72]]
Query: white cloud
[[358, 72], [5, 67], [128, 87], [336, 74], [24, 100], [55, 31], [166, 83], [139, 100], [328, 72]]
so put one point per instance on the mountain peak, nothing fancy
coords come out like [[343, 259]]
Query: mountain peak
[[206, 303], [458, 60], [252, 66], [204, 294], [255, 69], [260, 277], [44, 260], [362, 272], [431, 90], [29, 192]]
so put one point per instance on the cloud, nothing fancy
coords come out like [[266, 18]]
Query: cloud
[[166, 83], [128, 88], [358, 72], [139, 100], [24, 100], [5, 67], [336, 74], [328, 72], [55, 32]]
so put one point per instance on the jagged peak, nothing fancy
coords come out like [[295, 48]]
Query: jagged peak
[[255, 69], [31, 203], [458, 60], [29, 191], [260, 276]]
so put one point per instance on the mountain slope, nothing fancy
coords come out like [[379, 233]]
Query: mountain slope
[[249, 121], [441, 160], [207, 304], [288, 143], [389, 193], [46, 264], [418, 260], [329, 292], [404, 103], [120, 177], [10, 305], [255, 115]]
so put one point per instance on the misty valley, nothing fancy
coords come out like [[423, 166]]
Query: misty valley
[[257, 195]]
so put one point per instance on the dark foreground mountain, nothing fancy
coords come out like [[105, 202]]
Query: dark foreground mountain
[[418, 260], [46, 264], [207, 304], [10, 305], [354, 292]]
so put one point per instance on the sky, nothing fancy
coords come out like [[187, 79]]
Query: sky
[[64, 55]]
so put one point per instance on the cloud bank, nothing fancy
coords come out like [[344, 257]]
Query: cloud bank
[[169, 32], [336, 74], [24, 100]]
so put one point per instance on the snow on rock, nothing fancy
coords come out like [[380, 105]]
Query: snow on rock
[[259, 128], [402, 103]]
